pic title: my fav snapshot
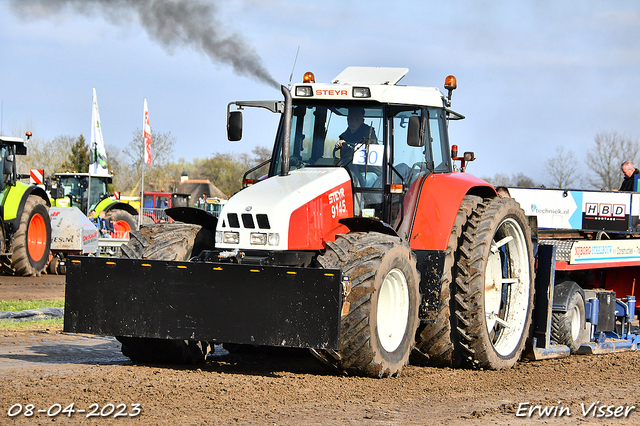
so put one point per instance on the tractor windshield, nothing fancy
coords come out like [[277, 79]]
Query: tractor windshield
[[83, 195], [329, 134], [371, 141]]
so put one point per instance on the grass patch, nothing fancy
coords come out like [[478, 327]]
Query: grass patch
[[23, 305], [54, 324]]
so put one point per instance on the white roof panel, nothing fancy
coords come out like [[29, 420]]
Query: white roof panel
[[370, 75]]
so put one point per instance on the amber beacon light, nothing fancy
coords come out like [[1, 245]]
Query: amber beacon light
[[309, 77]]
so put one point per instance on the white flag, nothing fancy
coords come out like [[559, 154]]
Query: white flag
[[146, 130], [98, 164]]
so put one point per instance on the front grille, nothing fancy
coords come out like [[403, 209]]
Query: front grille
[[263, 221], [248, 221], [233, 220]]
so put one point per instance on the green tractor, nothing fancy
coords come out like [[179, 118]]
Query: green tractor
[[89, 192], [25, 227]]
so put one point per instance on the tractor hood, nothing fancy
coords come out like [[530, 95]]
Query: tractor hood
[[299, 211]]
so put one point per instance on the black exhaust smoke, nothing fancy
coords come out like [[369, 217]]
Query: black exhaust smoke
[[172, 23]]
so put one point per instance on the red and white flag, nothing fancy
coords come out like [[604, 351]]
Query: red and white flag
[[146, 130]]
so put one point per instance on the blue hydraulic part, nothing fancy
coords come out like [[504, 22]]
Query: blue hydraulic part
[[631, 301], [624, 314], [591, 311]]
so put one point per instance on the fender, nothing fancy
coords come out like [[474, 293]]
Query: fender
[[109, 204], [432, 205], [359, 224], [15, 200], [193, 216]]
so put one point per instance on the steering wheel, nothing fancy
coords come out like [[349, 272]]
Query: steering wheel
[[343, 160]]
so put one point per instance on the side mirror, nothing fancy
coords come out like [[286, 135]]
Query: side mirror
[[57, 192], [469, 156], [234, 126], [414, 133]]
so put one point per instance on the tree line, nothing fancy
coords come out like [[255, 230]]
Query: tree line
[[72, 154], [599, 170]]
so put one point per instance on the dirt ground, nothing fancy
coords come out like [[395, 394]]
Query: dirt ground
[[52, 370]]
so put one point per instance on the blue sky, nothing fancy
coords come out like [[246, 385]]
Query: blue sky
[[532, 75]]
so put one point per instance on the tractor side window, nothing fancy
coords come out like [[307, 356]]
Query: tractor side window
[[98, 192], [440, 148], [180, 201], [162, 202], [409, 161], [5, 176]]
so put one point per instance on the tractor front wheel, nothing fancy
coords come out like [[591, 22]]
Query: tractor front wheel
[[380, 310]]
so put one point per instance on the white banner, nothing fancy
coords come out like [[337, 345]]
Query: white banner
[[605, 251], [98, 164]]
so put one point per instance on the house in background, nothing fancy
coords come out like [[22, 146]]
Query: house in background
[[197, 187]]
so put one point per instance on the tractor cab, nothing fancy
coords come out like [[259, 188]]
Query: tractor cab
[[383, 159], [155, 204], [386, 136], [83, 190], [356, 150], [9, 148]]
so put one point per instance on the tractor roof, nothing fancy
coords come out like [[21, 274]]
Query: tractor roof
[[11, 139], [381, 83]]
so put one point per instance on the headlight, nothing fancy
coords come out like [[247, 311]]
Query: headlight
[[218, 237], [361, 92], [258, 238], [231, 238], [304, 91], [274, 239]]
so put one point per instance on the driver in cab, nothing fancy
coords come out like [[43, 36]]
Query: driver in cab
[[357, 132]]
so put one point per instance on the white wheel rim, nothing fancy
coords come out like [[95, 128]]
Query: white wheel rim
[[576, 323], [507, 292], [393, 310]]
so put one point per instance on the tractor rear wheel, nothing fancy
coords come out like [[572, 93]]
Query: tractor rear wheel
[[122, 220], [495, 286], [486, 299], [178, 242], [380, 311], [30, 245], [435, 341]]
